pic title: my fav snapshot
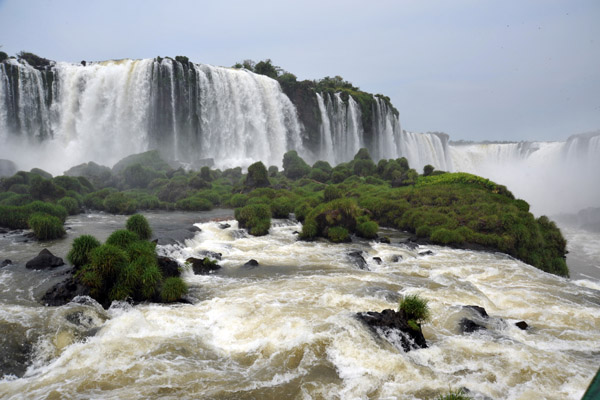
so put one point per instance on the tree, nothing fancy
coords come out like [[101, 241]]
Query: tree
[[428, 170]]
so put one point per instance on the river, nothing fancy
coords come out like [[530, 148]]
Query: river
[[287, 328]]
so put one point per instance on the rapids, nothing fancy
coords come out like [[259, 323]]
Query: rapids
[[286, 329]]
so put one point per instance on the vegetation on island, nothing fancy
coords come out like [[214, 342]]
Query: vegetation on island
[[125, 267], [338, 203]]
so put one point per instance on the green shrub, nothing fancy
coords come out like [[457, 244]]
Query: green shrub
[[79, 254], [107, 260], [138, 224], [46, 227], [119, 203], [446, 236], [257, 176], [254, 217], [194, 204], [172, 289], [151, 278], [70, 204], [367, 229], [414, 308], [428, 170], [454, 395], [319, 175], [122, 238], [338, 234], [302, 210], [238, 200], [294, 167], [281, 207], [331, 193]]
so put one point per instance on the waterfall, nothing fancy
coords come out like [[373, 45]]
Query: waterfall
[[69, 114]]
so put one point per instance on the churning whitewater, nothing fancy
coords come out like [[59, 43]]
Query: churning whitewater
[[287, 328]]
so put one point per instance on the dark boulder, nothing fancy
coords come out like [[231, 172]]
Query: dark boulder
[[210, 254], [252, 264], [522, 325], [224, 226], [467, 325], [393, 325], [426, 253], [44, 260], [203, 266], [194, 228], [396, 258], [63, 292], [383, 239], [377, 260], [478, 310], [168, 266], [409, 245], [5, 263], [358, 259]]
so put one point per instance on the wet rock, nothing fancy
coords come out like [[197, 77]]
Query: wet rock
[[45, 259], [478, 310], [522, 325], [194, 228], [396, 258], [358, 259], [467, 326], [251, 264], [393, 326], [168, 266], [224, 226], [377, 260], [295, 233], [5, 263], [409, 245], [4, 230], [203, 266], [63, 292], [16, 348], [383, 239], [426, 253], [210, 254]]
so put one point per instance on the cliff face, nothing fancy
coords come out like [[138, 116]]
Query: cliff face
[[302, 94]]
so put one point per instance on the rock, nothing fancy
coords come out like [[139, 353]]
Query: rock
[[295, 233], [383, 239], [211, 254], [203, 266], [522, 325], [409, 245], [377, 260], [168, 266], [224, 226], [389, 323], [63, 292], [7, 168], [5, 263], [4, 230], [358, 259], [44, 260], [467, 326], [194, 228], [252, 264], [426, 253], [396, 258], [478, 310]]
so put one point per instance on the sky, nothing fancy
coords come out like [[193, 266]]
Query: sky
[[477, 70]]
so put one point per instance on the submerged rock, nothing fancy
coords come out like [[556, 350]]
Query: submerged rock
[[44, 260], [426, 253], [409, 245], [203, 266], [383, 239], [224, 226], [5, 263], [210, 254], [63, 292], [467, 325], [358, 259], [394, 326], [396, 258], [377, 260], [251, 264], [478, 310]]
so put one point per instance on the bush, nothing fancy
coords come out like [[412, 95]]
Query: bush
[[254, 217], [46, 227], [414, 308], [238, 200], [454, 395], [108, 260], [294, 167], [319, 175], [257, 176], [122, 238], [367, 229], [281, 207], [79, 255], [172, 289], [338, 234], [119, 203], [70, 204], [428, 170], [194, 204], [331, 193], [138, 224], [446, 236], [302, 210]]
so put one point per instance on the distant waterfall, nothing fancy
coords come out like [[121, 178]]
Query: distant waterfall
[[105, 111]]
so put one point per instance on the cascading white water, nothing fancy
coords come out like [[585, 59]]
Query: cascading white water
[[104, 111]]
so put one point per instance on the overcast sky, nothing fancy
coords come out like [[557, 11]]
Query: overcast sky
[[478, 70]]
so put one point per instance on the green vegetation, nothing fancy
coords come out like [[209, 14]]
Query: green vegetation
[[46, 227], [125, 267], [454, 395], [414, 308], [138, 224], [352, 198]]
